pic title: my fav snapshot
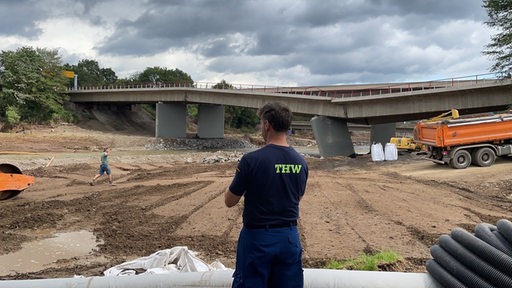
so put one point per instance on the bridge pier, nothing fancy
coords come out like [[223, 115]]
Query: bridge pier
[[382, 133], [210, 121], [334, 139], [332, 136], [171, 120]]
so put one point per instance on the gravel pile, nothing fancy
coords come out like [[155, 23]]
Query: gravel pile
[[221, 157], [198, 144]]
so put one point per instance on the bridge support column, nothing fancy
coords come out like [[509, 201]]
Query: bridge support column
[[210, 121], [382, 133], [171, 120], [332, 136]]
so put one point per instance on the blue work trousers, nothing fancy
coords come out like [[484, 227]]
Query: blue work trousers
[[269, 257]]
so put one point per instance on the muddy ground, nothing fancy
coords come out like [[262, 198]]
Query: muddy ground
[[165, 199]]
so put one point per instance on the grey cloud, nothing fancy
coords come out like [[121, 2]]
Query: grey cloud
[[248, 64], [196, 23], [19, 18], [171, 25], [452, 9], [332, 40]]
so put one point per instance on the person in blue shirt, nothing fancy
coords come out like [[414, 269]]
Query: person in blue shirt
[[272, 180], [104, 167]]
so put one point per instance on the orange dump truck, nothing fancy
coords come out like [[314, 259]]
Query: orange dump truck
[[471, 139]]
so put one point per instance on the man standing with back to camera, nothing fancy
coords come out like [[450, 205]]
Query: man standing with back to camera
[[272, 180]]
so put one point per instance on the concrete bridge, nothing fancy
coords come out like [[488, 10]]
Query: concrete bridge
[[331, 107]]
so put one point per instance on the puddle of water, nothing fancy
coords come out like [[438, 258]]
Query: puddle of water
[[35, 256]]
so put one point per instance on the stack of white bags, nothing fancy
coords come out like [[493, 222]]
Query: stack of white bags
[[388, 153]]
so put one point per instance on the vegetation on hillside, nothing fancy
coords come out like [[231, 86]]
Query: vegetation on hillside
[[237, 117], [33, 87]]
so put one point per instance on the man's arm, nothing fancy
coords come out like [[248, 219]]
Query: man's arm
[[230, 199]]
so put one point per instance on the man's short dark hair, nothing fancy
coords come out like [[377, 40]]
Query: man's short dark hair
[[277, 114]]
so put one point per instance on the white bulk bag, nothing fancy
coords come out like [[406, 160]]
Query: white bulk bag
[[390, 152], [377, 152]]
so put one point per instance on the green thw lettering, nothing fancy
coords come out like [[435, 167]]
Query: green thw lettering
[[287, 168]]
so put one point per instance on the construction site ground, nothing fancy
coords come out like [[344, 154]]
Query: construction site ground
[[164, 199]]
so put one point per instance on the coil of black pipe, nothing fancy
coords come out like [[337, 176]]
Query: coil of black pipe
[[480, 260]]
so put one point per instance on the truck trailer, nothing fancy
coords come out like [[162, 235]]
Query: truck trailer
[[460, 141]]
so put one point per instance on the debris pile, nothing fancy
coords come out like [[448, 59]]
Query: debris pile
[[198, 144]]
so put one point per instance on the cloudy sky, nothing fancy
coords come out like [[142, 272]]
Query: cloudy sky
[[261, 42]]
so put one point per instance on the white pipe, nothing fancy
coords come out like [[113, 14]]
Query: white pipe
[[327, 278], [324, 278]]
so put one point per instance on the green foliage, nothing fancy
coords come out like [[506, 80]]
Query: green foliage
[[193, 110], [90, 74], [150, 109], [241, 117], [13, 117], [366, 262], [238, 117], [108, 75], [223, 85], [500, 48], [33, 86], [155, 75]]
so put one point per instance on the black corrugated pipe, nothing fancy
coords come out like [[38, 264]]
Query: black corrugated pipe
[[490, 234], [474, 263], [457, 269], [442, 276], [505, 228], [491, 255], [483, 260]]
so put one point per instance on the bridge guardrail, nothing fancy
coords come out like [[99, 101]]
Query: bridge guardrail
[[335, 91]]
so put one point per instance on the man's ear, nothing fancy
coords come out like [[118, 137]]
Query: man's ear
[[266, 124]]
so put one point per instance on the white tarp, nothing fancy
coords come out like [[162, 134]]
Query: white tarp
[[176, 259]]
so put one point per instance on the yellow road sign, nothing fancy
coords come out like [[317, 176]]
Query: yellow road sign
[[69, 74]]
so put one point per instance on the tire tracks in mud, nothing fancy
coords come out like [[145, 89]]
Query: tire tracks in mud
[[167, 213], [376, 216], [478, 199], [469, 193], [368, 203], [131, 218]]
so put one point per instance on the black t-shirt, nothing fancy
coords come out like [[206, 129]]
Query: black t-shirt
[[272, 179]]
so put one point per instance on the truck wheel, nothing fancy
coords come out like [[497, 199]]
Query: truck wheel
[[461, 159], [485, 157]]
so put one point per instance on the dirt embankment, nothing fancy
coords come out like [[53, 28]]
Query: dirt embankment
[[173, 198]]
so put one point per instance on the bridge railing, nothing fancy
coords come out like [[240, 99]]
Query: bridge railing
[[334, 91], [160, 85], [477, 80]]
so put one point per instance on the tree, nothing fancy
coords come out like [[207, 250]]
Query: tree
[[155, 75], [33, 86], [237, 117], [108, 75], [500, 48], [90, 74]]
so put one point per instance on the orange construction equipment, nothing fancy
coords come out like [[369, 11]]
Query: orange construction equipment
[[12, 181], [464, 140]]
